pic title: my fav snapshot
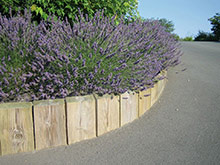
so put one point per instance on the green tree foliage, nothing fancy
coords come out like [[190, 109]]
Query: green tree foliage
[[14, 5], [204, 36], [189, 38], [215, 21], [70, 8], [167, 24], [176, 36]]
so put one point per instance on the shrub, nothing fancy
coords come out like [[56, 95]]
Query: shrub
[[204, 36], [169, 26], [70, 8], [176, 36], [187, 39], [215, 22], [55, 60]]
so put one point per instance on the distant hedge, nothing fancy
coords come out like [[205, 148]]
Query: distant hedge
[[205, 36], [70, 8], [55, 60]]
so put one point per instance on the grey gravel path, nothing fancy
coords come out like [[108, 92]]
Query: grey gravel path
[[183, 127]]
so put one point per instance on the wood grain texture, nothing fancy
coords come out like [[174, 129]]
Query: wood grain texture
[[144, 101], [161, 83], [16, 128], [50, 123], [81, 118], [157, 90], [154, 94], [108, 113], [129, 107]]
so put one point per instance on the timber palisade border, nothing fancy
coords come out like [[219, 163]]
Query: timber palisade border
[[30, 126]]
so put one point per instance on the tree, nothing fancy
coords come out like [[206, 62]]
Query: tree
[[205, 36], [70, 8], [167, 24], [189, 38], [215, 21], [176, 36]]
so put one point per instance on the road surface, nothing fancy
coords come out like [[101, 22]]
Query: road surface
[[183, 127]]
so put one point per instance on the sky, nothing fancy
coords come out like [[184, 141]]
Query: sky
[[188, 16]]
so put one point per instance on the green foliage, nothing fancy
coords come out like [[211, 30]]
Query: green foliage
[[175, 36], [167, 24], [215, 35], [15, 5], [204, 36], [53, 60], [70, 8], [189, 38], [215, 21]]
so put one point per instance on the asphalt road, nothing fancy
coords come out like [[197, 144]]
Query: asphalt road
[[183, 127]]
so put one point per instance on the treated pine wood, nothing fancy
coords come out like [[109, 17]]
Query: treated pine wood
[[108, 113], [144, 101], [159, 87], [81, 118], [16, 128], [161, 83], [156, 91], [164, 80], [154, 94], [50, 123], [129, 107]]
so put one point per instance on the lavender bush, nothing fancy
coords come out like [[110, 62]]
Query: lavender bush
[[55, 60]]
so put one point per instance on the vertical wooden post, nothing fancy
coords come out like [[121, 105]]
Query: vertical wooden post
[[81, 118], [50, 127], [129, 107], [144, 101], [108, 113], [154, 93], [158, 88], [16, 128], [161, 83]]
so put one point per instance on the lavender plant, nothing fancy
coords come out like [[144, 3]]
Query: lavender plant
[[55, 60]]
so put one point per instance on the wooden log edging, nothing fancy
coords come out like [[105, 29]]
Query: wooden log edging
[[26, 127], [81, 118], [16, 128], [49, 123]]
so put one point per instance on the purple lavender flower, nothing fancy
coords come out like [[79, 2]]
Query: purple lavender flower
[[90, 56], [6, 81], [84, 62], [102, 71]]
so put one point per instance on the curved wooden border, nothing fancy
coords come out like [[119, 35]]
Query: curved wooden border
[[42, 124]]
